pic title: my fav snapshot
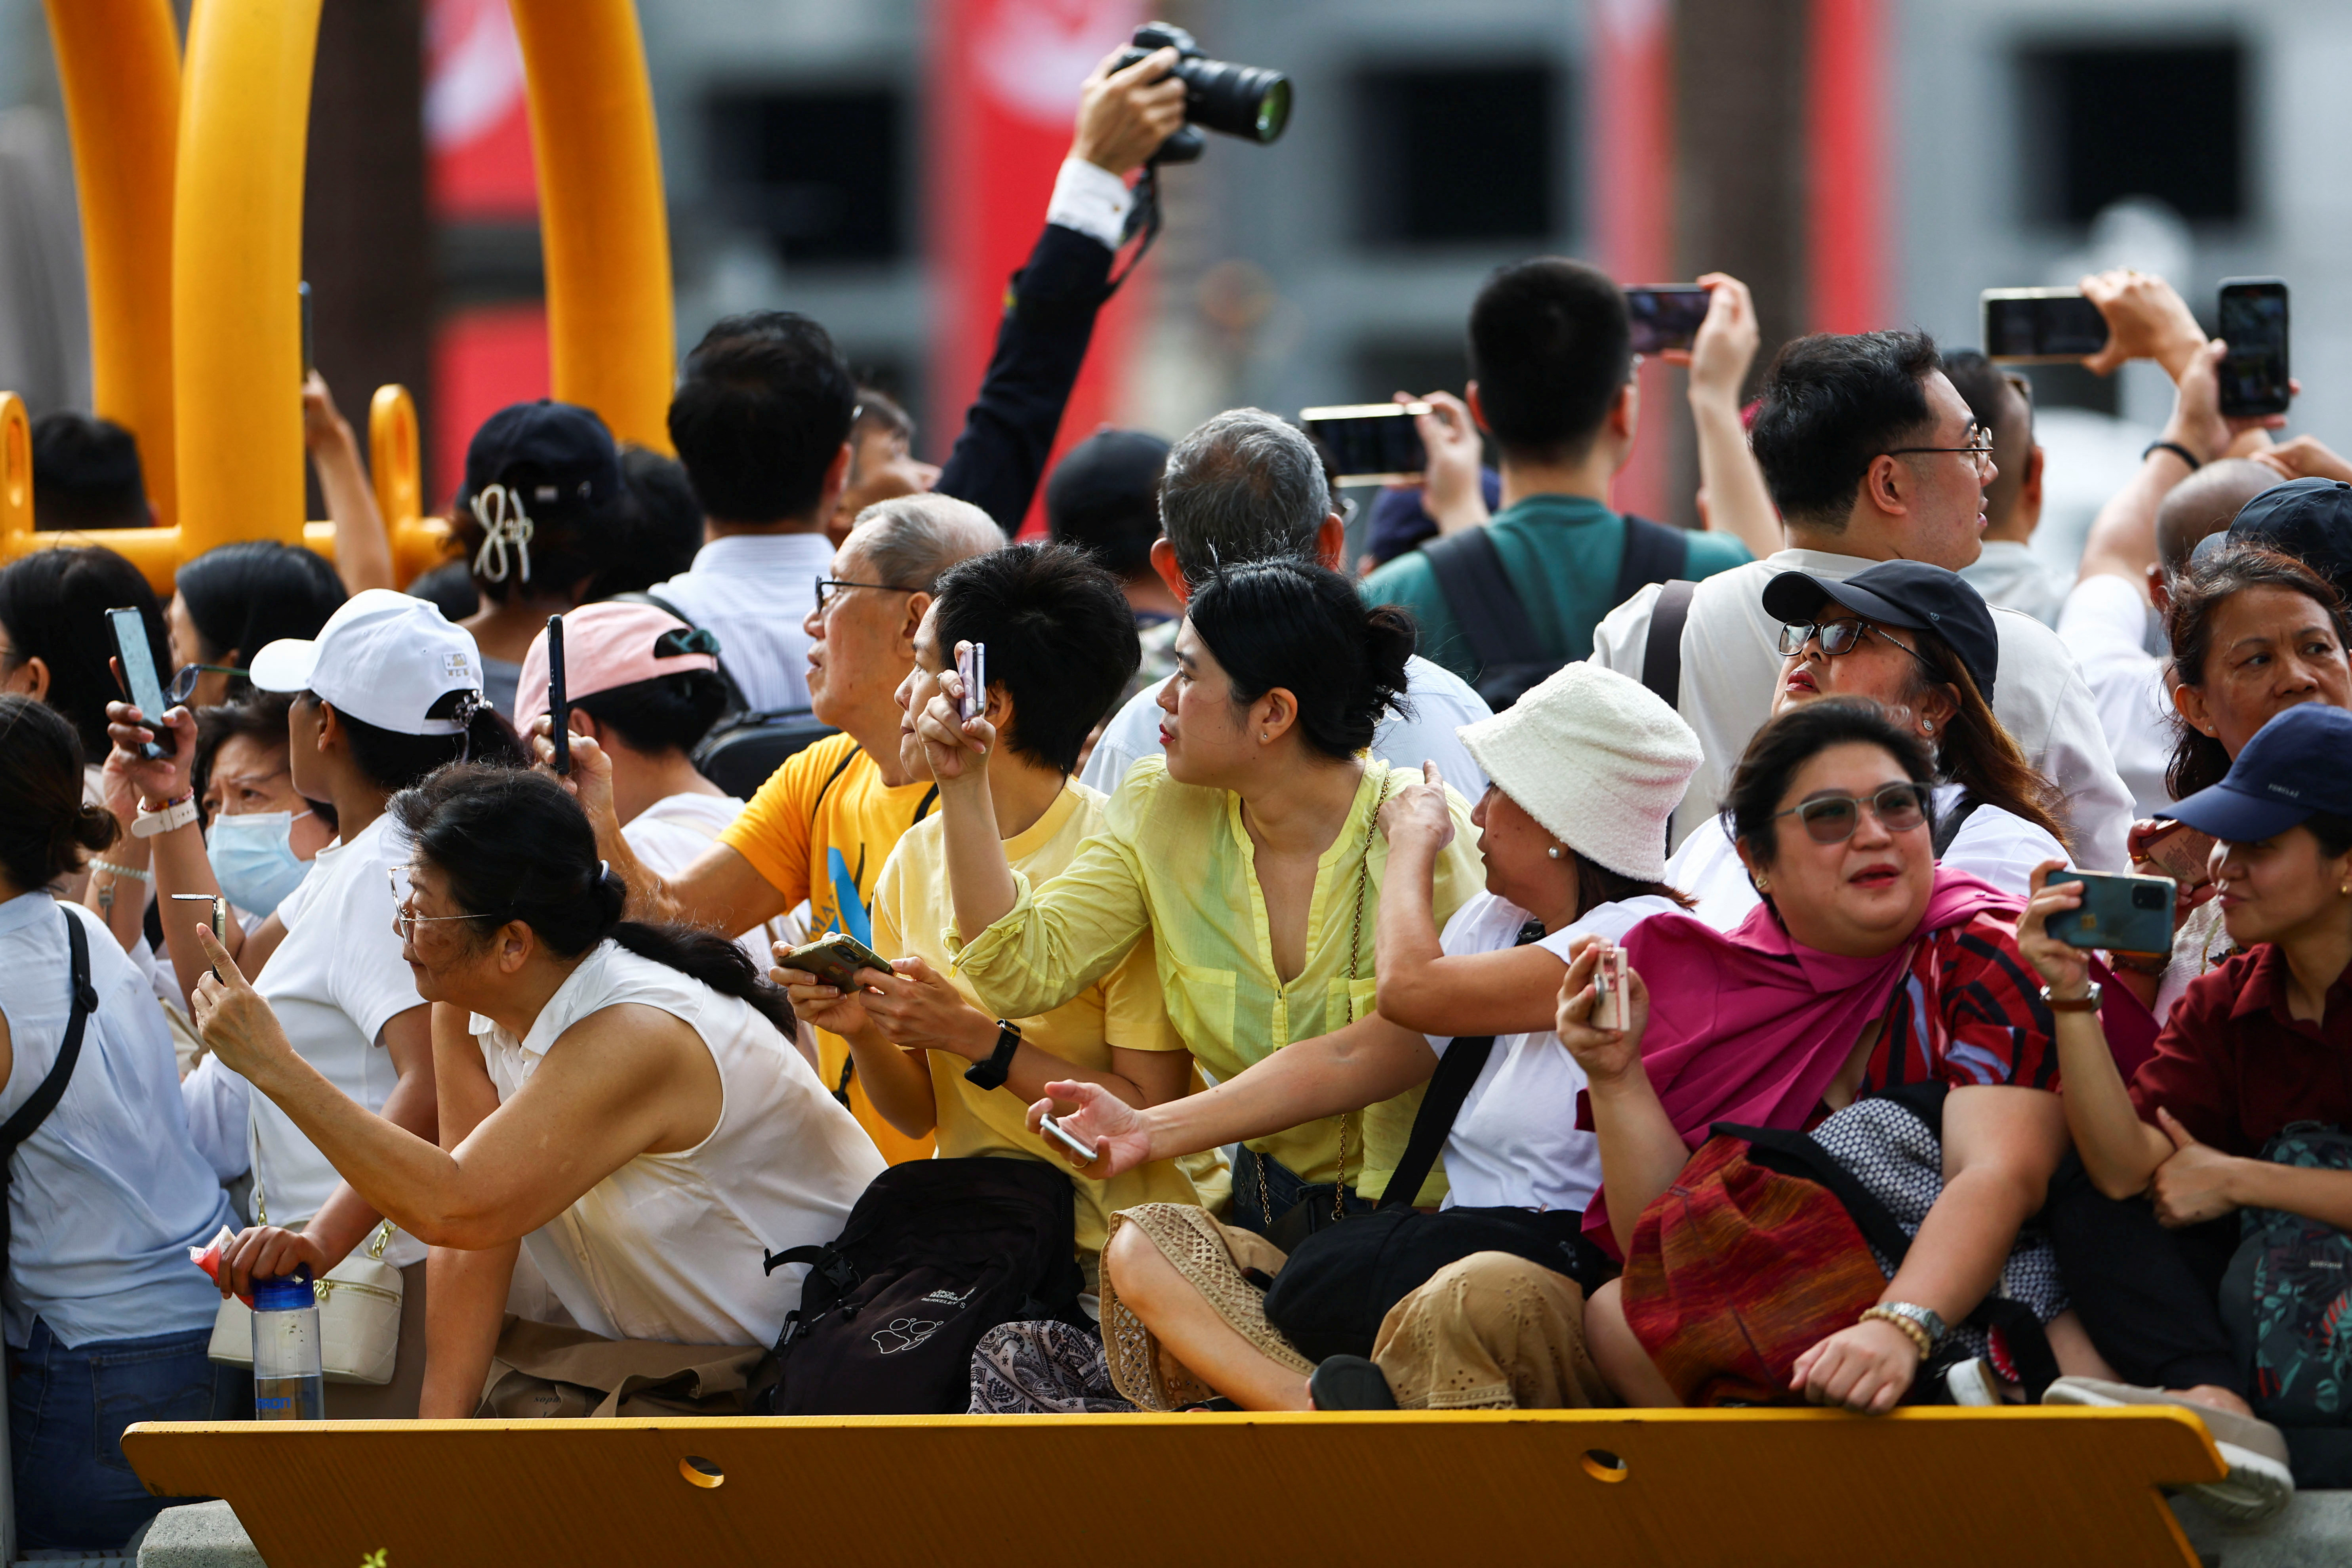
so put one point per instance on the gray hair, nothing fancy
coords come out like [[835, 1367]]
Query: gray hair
[[1246, 486], [911, 540]]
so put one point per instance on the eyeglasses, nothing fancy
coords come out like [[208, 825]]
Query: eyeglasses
[[1839, 637], [835, 584], [184, 679], [1832, 818], [404, 892], [1979, 450]]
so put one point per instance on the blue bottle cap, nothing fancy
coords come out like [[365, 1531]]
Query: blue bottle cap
[[290, 1294]]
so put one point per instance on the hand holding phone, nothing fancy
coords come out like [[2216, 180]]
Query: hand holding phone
[[1609, 1001], [559, 711], [2041, 326], [1053, 1129], [2118, 913], [135, 657], [220, 921], [836, 959], [1666, 316], [2252, 320], [1371, 443], [971, 665]]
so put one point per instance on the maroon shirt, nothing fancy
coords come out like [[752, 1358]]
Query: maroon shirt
[[2236, 1068]]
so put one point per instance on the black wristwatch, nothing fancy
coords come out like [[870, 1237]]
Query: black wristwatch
[[992, 1073]]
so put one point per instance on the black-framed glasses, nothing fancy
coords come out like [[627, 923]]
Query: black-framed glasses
[[184, 679], [1832, 818], [1978, 449], [827, 587], [1839, 637]]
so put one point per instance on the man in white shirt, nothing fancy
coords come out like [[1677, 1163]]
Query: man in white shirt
[[1871, 455], [764, 410], [2008, 573], [1246, 486]]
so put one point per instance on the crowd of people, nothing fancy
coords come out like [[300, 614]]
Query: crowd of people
[[1682, 1018]]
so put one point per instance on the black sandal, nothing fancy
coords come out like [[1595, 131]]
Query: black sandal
[[1350, 1382]]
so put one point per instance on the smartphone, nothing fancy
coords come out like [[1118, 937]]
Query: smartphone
[[558, 710], [310, 339], [1666, 316], [1370, 443], [2181, 850], [1609, 1010], [835, 959], [136, 655], [2254, 323], [972, 663], [220, 919], [1053, 1129], [2120, 913], [2041, 326]]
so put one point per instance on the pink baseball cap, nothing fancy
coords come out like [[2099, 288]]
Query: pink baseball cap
[[606, 645]]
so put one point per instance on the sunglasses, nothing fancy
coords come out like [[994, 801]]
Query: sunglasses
[[184, 679], [1832, 818], [1838, 638]]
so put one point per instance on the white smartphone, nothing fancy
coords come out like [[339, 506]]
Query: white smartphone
[[972, 665], [1071, 1144], [1609, 989]]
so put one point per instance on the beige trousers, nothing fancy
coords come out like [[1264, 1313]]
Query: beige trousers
[[1492, 1332]]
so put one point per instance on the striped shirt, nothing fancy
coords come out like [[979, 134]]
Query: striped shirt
[[1970, 1014]]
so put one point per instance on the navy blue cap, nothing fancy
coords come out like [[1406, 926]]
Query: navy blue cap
[[558, 458], [1107, 484], [2310, 520], [2299, 762], [1909, 594]]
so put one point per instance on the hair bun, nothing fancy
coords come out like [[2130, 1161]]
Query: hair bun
[[93, 827]]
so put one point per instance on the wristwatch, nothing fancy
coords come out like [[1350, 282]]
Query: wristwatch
[[992, 1073], [1924, 1324], [2086, 1003], [177, 814]]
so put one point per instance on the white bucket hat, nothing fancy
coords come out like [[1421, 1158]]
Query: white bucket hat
[[1597, 759], [383, 658]]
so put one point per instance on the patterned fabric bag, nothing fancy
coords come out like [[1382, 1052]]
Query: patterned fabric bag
[[2287, 1295]]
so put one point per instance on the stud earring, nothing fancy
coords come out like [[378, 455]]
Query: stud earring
[[1763, 884], [1553, 851], [1928, 726], [1263, 737]]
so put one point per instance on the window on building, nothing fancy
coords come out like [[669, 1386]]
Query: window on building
[[2166, 121], [821, 174], [1459, 154]]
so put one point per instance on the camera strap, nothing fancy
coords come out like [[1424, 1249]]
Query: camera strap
[[1142, 219]]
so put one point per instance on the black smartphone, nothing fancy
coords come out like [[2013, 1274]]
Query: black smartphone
[[2254, 323], [2120, 913], [1666, 316], [1370, 443], [835, 959], [2041, 326], [559, 711], [310, 341], [136, 656]]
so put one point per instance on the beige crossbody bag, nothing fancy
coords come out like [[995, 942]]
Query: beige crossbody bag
[[358, 1312]]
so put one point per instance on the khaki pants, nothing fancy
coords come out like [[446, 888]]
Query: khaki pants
[[1491, 1333]]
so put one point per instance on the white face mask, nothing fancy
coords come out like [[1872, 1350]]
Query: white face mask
[[254, 860]]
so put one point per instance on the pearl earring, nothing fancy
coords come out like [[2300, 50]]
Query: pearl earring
[[1263, 737], [1553, 851], [1928, 726]]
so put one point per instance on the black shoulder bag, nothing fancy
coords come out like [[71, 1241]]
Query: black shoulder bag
[[35, 1110]]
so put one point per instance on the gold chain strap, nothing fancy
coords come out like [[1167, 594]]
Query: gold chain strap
[[1355, 946]]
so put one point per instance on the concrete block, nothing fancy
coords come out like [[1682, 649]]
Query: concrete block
[[198, 1535], [2315, 1531]]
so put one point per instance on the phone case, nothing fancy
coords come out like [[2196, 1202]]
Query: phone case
[[2120, 914], [835, 959], [1609, 998]]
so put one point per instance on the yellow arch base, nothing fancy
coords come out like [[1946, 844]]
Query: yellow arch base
[[1922, 1489]]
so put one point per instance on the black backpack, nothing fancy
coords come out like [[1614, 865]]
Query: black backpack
[[935, 1254], [1493, 618]]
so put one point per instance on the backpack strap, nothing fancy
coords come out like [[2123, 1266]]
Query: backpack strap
[[1449, 1090], [1469, 573], [1949, 828], [83, 1001], [1654, 553], [1662, 653]]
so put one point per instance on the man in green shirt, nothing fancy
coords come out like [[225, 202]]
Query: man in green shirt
[[1552, 367]]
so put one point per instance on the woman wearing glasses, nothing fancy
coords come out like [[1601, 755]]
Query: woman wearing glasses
[[1879, 1003], [1919, 642]]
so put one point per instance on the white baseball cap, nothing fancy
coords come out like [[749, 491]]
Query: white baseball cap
[[384, 658]]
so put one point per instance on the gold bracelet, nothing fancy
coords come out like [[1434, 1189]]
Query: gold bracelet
[[1918, 1335]]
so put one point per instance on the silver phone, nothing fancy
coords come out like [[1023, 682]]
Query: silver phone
[[1608, 1008], [972, 665], [1053, 1128]]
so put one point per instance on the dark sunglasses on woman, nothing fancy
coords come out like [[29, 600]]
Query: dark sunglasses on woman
[[1832, 818]]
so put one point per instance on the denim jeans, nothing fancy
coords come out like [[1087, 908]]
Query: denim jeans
[[67, 1411], [1283, 1187]]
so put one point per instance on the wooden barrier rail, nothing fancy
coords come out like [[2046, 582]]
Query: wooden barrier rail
[[1921, 1489]]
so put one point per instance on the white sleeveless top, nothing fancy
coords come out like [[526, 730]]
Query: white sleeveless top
[[669, 1245]]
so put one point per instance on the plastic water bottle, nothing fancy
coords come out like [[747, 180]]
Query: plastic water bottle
[[289, 1380]]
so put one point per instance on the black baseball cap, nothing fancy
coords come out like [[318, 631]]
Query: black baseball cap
[[2295, 766], [557, 457], [1108, 482], [2310, 520], [1909, 594]]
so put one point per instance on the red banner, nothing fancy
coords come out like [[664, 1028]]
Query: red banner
[[1003, 97], [1632, 163], [1846, 224]]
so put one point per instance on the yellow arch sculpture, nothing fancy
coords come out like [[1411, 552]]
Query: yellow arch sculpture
[[211, 155]]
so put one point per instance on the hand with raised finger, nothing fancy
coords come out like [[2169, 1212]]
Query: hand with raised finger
[[1098, 1118], [1418, 811], [231, 1018]]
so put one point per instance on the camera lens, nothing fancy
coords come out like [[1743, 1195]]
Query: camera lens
[[2147, 898], [1239, 100]]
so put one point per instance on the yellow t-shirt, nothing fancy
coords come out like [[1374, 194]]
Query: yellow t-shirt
[[912, 911], [1175, 860], [820, 829]]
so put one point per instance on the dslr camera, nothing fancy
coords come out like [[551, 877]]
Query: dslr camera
[[1239, 100]]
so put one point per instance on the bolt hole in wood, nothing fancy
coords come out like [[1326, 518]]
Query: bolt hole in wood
[[1598, 1462], [701, 1472]]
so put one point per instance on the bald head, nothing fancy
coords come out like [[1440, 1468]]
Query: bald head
[[2203, 503]]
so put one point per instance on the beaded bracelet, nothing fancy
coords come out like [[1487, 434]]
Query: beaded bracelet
[[1918, 1334], [110, 869]]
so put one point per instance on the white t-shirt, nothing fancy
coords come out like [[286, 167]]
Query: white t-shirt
[[1998, 846], [1441, 703], [679, 829], [2011, 575], [334, 982], [1514, 1143], [753, 590], [1731, 664], [2105, 627]]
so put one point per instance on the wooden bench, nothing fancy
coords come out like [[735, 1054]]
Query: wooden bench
[[1916, 1489]]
